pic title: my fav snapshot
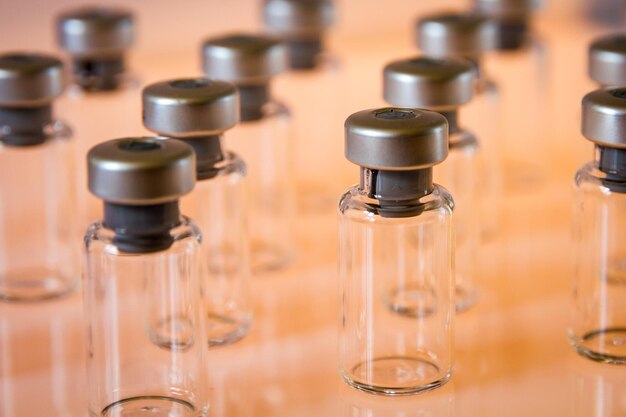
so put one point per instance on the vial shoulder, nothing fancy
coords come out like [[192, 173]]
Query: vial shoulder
[[588, 176], [276, 109], [232, 165], [464, 141]]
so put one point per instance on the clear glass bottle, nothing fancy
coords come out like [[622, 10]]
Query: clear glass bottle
[[198, 111], [262, 138], [468, 36], [396, 255], [520, 54], [37, 235], [97, 40], [315, 73], [443, 85], [142, 290], [598, 329]]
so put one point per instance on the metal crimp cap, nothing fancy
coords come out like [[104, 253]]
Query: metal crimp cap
[[29, 80], [505, 9], [190, 107], [433, 83], [465, 34], [141, 171], [396, 139], [95, 31], [244, 59], [604, 117], [298, 18], [607, 60]]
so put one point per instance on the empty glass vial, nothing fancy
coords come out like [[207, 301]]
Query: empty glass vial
[[520, 54], [396, 255], [37, 230], [262, 138], [607, 60], [143, 308], [198, 111], [468, 36], [97, 40], [443, 85], [598, 330], [315, 74]]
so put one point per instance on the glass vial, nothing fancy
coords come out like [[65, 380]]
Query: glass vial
[[198, 111], [396, 255], [468, 36], [520, 54], [598, 330], [142, 290], [443, 85], [315, 73], [37, 230], [607, 60], [262, 138], [97, 40]]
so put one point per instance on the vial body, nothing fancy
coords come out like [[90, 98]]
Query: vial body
[[266, 146], [483, 118], [145, 328], [460, 174], [218, 206], [38, 232], [598, 329], [396, 287]]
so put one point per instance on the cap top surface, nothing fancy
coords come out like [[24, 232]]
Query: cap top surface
[[28, 79], [435, 83], [604, 117], [244, 58], [394, 138], [189, 107], [141, 170]]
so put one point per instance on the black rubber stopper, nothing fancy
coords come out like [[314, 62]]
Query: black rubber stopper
[[99, 74], [511, 35], [209, 152], [613, 163], [304, 53], [25, 125], [251, 101]]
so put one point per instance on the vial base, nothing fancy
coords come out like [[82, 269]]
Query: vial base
[[34, 284], [224, 330], [396, 375], [151, 406], [267, 257], [603, 345]]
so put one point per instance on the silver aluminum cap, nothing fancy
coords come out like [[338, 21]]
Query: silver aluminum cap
[[141, 171], [396, 139], [433, 83], [29, 80], [505, 9], [95, 31], [607, 60], [244, 59], [464, 34], [298, 18], [604, 117], [190, 107]]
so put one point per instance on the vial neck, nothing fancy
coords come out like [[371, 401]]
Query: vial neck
[[476, 61], [24, 126], [209, 154], [98, 73], [252, 98], [398, 192], [304, 53], [511, 34], [612, 161], [142, 229], [452, 116]]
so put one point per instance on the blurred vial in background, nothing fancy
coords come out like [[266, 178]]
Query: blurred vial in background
[[198, 111], [468, 36], [443, 85], [142, 291], [263, 139], [520, 65], [313, 90], [607, 60], [38, 235], [97, 40], [396, 255], [598, 329]]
